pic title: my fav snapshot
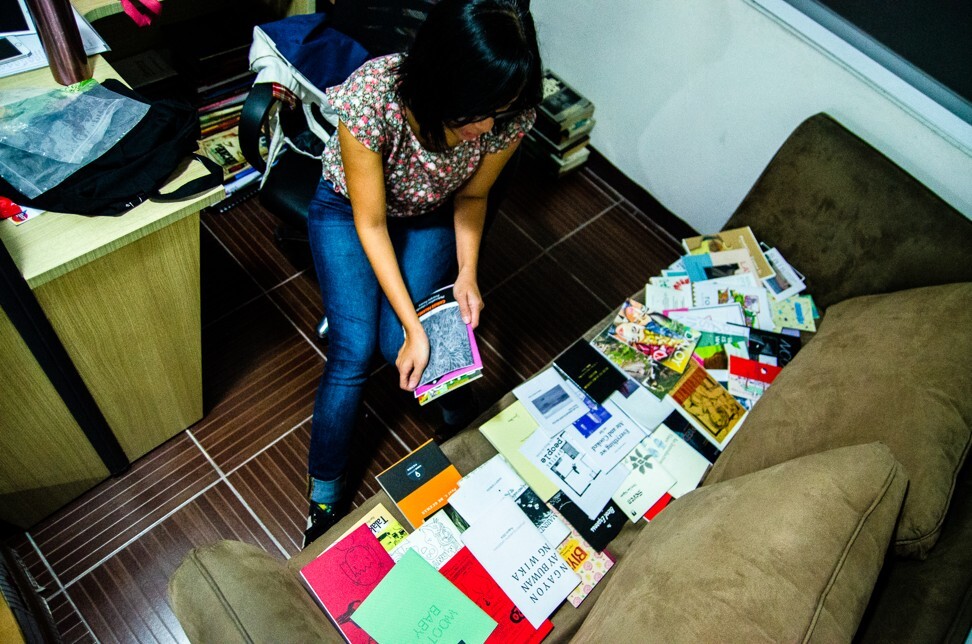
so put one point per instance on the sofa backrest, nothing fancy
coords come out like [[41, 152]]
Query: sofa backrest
[[850, 220]]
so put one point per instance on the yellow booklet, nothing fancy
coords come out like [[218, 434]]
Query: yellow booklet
[[383, 525], [508, 430]]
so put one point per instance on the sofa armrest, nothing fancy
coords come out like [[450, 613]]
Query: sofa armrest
[[851, 220], [234, 592]]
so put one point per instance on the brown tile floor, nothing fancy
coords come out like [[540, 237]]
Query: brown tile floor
[[560, 256]]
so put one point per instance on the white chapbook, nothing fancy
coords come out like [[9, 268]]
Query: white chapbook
[[563, 462], [494, 480], [526, 567], [552, 401]]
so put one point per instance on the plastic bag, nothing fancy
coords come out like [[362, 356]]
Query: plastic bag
[[46, 137]]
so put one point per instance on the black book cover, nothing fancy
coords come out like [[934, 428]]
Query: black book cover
[[678, 424], [590, 371], [777, 345], [413, 471], [597, 532]]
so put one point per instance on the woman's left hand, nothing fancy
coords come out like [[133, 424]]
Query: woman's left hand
[[466, 291]]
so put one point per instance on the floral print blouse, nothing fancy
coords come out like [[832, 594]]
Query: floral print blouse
[[417, 180]]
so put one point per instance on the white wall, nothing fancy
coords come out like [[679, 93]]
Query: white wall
[[693, 98]]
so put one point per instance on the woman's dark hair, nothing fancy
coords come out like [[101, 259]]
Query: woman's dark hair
[[470, 58]]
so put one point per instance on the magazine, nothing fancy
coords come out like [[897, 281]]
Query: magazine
[[454, 358]]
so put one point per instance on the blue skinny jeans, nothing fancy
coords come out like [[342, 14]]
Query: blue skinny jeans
[[359, 316]]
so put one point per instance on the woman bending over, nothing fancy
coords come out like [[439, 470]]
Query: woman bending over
[[401, 207]]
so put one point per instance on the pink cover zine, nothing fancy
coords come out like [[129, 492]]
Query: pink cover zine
[[454, 351], [344, 575]]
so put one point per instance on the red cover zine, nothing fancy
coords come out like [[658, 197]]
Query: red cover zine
[[469, 576], [344, 575]]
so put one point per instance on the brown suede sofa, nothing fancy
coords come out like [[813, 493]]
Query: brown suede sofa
[[840, 511]]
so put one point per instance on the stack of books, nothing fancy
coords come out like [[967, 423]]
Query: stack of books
[[615, 430], [560, 137], [454, 358], [240, 179], [213, 61]]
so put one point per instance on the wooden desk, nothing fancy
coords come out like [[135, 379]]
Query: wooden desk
[[122, 293]]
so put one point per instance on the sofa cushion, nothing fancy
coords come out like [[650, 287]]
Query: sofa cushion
[[850, 220], [789, 553], [891, 368], [235, 592]]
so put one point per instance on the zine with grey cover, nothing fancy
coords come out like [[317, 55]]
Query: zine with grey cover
[[452, 349]]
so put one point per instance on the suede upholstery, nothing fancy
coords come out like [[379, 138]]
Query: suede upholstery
[[879, 369], [232, 592], [850, 220], [788, 545], [786, 554]]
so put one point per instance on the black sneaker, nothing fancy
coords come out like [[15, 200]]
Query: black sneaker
[[320, 519]]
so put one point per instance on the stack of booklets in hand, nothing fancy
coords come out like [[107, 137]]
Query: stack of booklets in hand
[[559, 138], [454, 358]]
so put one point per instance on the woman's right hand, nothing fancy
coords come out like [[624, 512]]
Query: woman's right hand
[[412, 359]]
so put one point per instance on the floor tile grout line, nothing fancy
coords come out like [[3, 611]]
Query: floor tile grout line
[[142, 533], [502, 357], [235, 309], [588, 173], [160, 494], [77, 610], [297, 328], [109, 488], [264, 449], [390, 428], [225, 479], [579, 228], [229, 252], [248, 274], [653, 228], [587, 288], [265, 292], [62, 590], [45, 562], [544, 251]]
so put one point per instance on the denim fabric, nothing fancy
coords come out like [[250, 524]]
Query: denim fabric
[[361, 319]]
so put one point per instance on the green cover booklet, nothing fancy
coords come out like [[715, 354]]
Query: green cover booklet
[[415, 603]]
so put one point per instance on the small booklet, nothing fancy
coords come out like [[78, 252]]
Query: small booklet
[[383, 525], [528, 569], [415, 603], [420, 483], [732, 239], [469, 576], [590, 370], [599, 531], [707, 405], [507, 431], [437, 540], [344, 575], [454, 358], [494, 480], [591, 566]]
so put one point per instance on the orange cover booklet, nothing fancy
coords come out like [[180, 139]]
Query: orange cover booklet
[[420, 483]]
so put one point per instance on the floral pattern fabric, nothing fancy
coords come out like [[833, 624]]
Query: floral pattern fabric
[[417, 180]]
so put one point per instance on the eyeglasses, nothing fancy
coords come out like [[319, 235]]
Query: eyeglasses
[[499, 116]]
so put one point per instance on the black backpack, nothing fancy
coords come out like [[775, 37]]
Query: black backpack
[[132, 170]]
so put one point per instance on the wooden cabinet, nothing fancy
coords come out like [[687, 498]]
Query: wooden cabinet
[[122, 294]]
